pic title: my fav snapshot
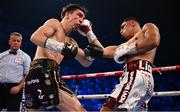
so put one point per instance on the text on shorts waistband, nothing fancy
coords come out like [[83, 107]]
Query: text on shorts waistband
[[138, 65]]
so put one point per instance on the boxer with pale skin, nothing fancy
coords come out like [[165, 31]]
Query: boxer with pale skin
[[44, 85]]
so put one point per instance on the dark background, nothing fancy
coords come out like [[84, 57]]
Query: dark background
[[25, 16]]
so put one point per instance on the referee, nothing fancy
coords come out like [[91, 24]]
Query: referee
[[14, 66]]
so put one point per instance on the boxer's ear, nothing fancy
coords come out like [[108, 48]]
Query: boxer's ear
[[66, 15], [132, 22]]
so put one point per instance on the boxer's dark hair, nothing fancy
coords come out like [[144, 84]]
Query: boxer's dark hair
[[131, 18], [71, 7]]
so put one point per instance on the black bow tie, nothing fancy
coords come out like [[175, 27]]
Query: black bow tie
[[13, 52]]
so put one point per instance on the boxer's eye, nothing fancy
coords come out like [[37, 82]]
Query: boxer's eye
[[122, 26], [80, 15]]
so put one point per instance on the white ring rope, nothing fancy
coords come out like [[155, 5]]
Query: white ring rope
[[104, 96]]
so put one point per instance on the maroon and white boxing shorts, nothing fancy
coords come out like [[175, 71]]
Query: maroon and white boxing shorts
[[135, 89]]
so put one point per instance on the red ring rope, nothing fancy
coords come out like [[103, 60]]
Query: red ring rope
[[118, 73]]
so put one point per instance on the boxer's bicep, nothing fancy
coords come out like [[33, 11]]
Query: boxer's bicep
[[45, 31]]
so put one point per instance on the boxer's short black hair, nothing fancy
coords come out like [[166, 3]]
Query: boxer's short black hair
[[72, 7], [130, 18]]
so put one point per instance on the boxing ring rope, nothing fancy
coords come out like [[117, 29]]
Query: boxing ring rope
[[119, 73], [104, 96]]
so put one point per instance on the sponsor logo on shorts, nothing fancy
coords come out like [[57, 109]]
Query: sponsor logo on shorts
[[46, 75], [40, 96], [33, 81], [29, 101], [48, 82], [127, 88], [136, 95], [147, 67], [51, 96]]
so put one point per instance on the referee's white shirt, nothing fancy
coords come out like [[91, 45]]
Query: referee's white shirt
[[13, 66]]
